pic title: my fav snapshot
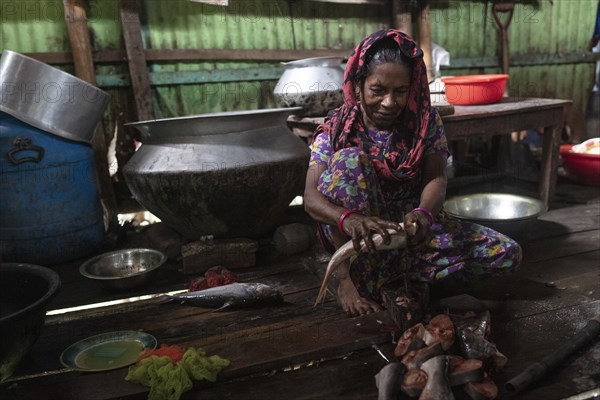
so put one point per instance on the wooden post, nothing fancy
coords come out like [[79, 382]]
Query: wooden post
[[402, 16], [79, 36], [402, 13], [425, 39], [136, 58]]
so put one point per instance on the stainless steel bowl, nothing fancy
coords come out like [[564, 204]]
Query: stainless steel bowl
[[506, 213], [123, 269], [50, 99]]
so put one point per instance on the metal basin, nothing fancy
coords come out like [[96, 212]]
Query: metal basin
[[227, 174], [506, 213], [25, 292], [50, 99], [123, 269]]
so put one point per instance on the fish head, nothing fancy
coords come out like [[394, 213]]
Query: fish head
[[266, 292]]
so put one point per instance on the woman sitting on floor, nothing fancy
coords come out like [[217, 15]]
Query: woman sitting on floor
[[380, 159]]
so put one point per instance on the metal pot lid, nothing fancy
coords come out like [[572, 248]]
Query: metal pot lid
[[50, 99], [315, 62]]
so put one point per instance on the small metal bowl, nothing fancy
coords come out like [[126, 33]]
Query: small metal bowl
[[123, 269], [506, 213]]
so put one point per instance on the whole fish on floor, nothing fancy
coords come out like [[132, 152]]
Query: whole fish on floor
[[233, 295]]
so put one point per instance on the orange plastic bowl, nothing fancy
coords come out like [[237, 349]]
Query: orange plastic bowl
[[582, 168], [475, 89]]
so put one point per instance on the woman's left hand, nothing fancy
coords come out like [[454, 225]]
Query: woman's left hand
[[422, 235]]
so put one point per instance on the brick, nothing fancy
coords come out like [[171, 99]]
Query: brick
[[201, 255]]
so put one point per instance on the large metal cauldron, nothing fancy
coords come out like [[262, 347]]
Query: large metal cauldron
[[315, 84], [25, 292], [230, 174]]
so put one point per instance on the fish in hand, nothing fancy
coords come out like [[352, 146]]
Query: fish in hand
[[233, 295], [347, 251]]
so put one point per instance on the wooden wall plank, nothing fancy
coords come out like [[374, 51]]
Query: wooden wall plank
[[136, 58], [115, 56]]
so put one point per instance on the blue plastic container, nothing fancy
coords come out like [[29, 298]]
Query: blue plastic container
[[50, 210]]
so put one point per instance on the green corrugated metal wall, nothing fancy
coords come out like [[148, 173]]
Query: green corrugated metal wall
[[256, 24], [465, 28]]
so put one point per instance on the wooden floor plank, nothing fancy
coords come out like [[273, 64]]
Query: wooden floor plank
[[350, 377], [533, 312], [547, 271], [171, 323], [283, 348], [77, 291], [529, 339], [581, 218], [561, 246]]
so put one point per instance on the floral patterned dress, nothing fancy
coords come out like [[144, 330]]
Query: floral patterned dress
[[379, 174], [467, 251]]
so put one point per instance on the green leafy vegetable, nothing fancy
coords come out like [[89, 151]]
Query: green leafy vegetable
[[168, 380], [199, 367]]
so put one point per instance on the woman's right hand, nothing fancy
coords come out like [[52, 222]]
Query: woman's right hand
[[360, 227], [422, 233]]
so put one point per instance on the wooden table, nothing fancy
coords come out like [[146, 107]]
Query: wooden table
[[502, 118], [512, 115]]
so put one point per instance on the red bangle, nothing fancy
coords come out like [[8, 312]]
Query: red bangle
[[343, 218], [426, 212]]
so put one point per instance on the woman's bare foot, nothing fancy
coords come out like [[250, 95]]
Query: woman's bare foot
[[351, 301]]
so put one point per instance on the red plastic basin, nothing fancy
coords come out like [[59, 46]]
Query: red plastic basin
[[582, 168], [475, 89]]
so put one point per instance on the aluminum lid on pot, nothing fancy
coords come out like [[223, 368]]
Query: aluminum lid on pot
[[327, 61]]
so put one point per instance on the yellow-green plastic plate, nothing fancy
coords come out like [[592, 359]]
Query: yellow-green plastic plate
[[111, 350]]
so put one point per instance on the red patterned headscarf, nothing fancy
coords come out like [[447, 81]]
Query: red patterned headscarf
[[346, 127]]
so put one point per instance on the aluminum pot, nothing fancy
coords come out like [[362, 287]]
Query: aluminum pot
[[315, 84], [230, 174], [50, 99]]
